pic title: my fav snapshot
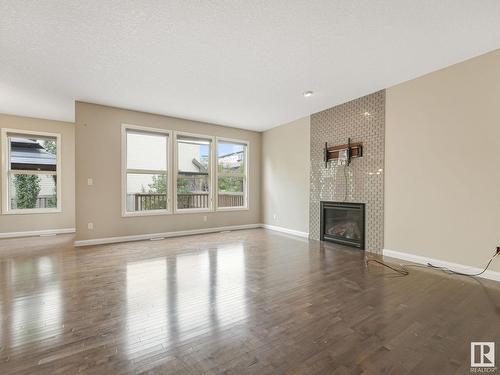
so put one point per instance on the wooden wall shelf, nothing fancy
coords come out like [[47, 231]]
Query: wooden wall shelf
[[354, 150]]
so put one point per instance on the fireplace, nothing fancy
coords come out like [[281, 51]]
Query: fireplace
[[343, 223]]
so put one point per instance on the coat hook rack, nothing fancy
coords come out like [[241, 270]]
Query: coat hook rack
[[354, 150]]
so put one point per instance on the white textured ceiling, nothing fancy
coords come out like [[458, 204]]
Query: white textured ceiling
[[240, 63]]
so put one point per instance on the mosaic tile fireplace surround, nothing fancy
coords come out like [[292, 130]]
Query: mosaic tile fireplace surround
[[362, 120]]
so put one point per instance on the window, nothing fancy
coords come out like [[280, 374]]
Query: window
[[194, 177], [30, 178], [208, 173], [231, 174], [145, 177]]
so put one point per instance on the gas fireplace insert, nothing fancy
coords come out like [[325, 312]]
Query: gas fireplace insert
[[343, 223]]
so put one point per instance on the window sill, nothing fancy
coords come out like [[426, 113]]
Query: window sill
[[222, 209], [32, 211], [147, 213], [193, 210]]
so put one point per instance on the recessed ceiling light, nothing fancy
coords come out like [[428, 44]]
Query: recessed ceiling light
[[308, 94]]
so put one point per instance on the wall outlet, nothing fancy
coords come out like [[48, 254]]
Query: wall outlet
[[90, 182], [90, 226], [205, 218], [275, 217]]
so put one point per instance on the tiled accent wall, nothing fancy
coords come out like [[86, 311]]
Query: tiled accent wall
[[363, 120]]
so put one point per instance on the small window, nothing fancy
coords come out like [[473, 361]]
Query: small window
[[231, 174], [193, 173], [146, 171], [31, 178]]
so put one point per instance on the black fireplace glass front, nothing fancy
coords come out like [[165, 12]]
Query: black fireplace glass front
[[343, 223]]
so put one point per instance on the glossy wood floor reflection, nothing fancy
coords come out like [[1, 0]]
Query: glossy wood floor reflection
[[249, 301]]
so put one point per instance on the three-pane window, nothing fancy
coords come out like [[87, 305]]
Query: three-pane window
[[209, 173]]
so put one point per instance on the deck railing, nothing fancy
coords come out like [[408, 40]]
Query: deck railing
[[44, 201], [192, 200], [153, 201], [231, 200]]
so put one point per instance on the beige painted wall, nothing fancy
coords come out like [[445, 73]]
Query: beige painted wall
[[285, 175], [98, 156], [442, 173], [61, 220]]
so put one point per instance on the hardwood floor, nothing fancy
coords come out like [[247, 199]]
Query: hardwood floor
[[251, 301]]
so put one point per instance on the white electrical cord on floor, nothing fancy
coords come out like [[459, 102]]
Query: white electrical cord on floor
[[403, 269]]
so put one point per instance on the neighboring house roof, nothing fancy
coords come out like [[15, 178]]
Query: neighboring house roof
[[27, 154], [231, 160], [238, 153]]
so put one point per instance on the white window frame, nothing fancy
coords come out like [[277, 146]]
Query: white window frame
[[211, 205], [6, 172], [247, 172], [124, 171]]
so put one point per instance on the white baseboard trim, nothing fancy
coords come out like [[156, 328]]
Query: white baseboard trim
[[491, 275], [33, 233], [286, 230], [141, 237]]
